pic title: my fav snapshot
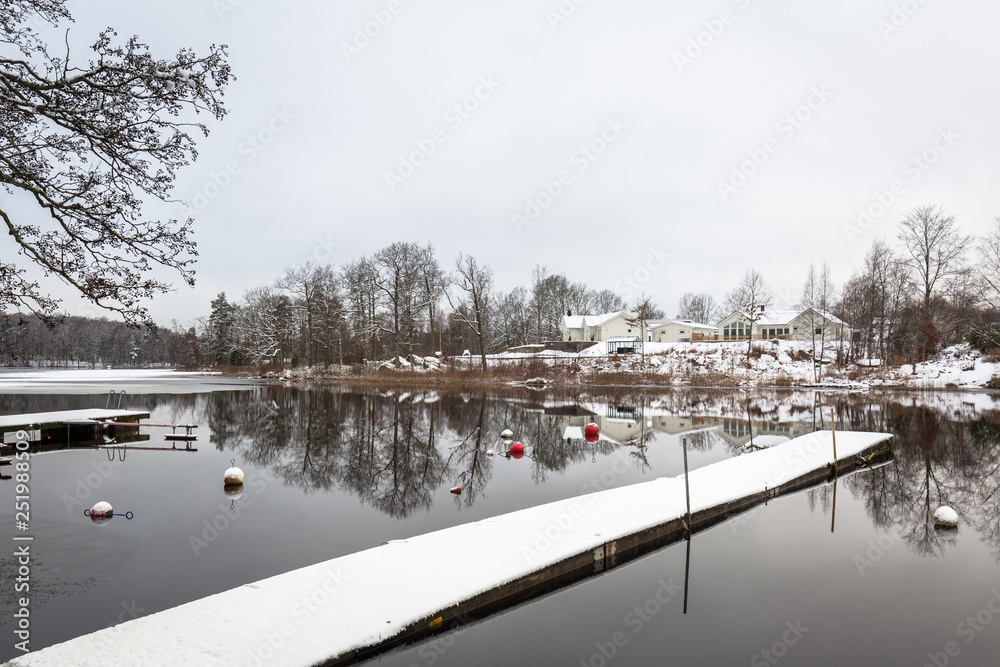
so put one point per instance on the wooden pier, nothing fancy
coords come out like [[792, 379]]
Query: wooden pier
[[72, 427], [407, 590]]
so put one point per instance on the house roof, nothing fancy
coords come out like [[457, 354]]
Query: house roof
[[784, 317], [580, 321], [830, 316], [778, 316], [624, 339], [683, 323]]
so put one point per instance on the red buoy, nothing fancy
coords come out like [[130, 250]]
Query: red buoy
[[517, 450], [456, 490], [591, 432]]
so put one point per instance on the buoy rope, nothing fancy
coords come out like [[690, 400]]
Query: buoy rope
[[127, 515]]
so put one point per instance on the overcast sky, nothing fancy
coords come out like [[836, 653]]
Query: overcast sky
[[669, 144]]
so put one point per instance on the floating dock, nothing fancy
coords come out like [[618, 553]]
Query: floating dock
[[64, 427], [351, 608]]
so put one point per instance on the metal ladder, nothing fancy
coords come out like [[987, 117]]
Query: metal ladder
[[111, 395]]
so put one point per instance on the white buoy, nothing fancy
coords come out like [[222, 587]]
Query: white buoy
[[489, 452], [233, 475], [101, 513], [507, 434], [946, 516]]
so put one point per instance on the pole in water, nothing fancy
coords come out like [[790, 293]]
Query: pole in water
[[833, 514], [687, 489], [687, 571], [833, 430], [687, 496]]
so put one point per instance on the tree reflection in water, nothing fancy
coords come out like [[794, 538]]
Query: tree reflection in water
[[394, 450]]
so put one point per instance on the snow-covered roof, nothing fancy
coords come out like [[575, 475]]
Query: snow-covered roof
[[784, 317], [627, 339], [684, 323], [778, 316], [830, 316], [580, 321]]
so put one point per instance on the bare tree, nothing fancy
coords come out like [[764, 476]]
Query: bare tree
[[540, 303], [433, 283], [751, 297], [989, 268], [698, 308], [364, 301], [262, 323], [511, 320], [818, 296], [873, 303], [607, 301], [316, 303], [475, 283], [87, 144], [935, 247], [643, 311], [398, 279]]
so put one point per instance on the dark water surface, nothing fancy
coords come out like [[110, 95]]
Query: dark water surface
[[331, 471]]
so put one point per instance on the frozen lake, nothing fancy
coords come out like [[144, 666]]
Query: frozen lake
[[331, 471]]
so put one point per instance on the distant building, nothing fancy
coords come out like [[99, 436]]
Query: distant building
[[598, 327], [681, 331], [782, 324], [786, 325], [606, 326]]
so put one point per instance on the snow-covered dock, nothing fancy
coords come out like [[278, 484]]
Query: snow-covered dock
[[65, 426], [353, 607]]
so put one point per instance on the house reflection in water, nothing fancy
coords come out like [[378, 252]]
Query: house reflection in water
[[622, 425]]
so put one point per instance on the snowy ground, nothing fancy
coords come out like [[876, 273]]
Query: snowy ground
[[777, 362], [772, 363]]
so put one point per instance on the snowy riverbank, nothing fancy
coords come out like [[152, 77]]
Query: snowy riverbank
[[772, 363]]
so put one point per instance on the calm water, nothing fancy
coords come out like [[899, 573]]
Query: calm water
[[331, 471]]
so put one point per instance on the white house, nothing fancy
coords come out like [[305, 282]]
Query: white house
[[610, 325], [785, 324], [681, 331], [598, 327]]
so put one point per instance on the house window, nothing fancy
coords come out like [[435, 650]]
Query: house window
[[682, 330], [736, 329], [819, 330]]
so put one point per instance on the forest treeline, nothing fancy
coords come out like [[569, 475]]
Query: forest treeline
[[934, 286]]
